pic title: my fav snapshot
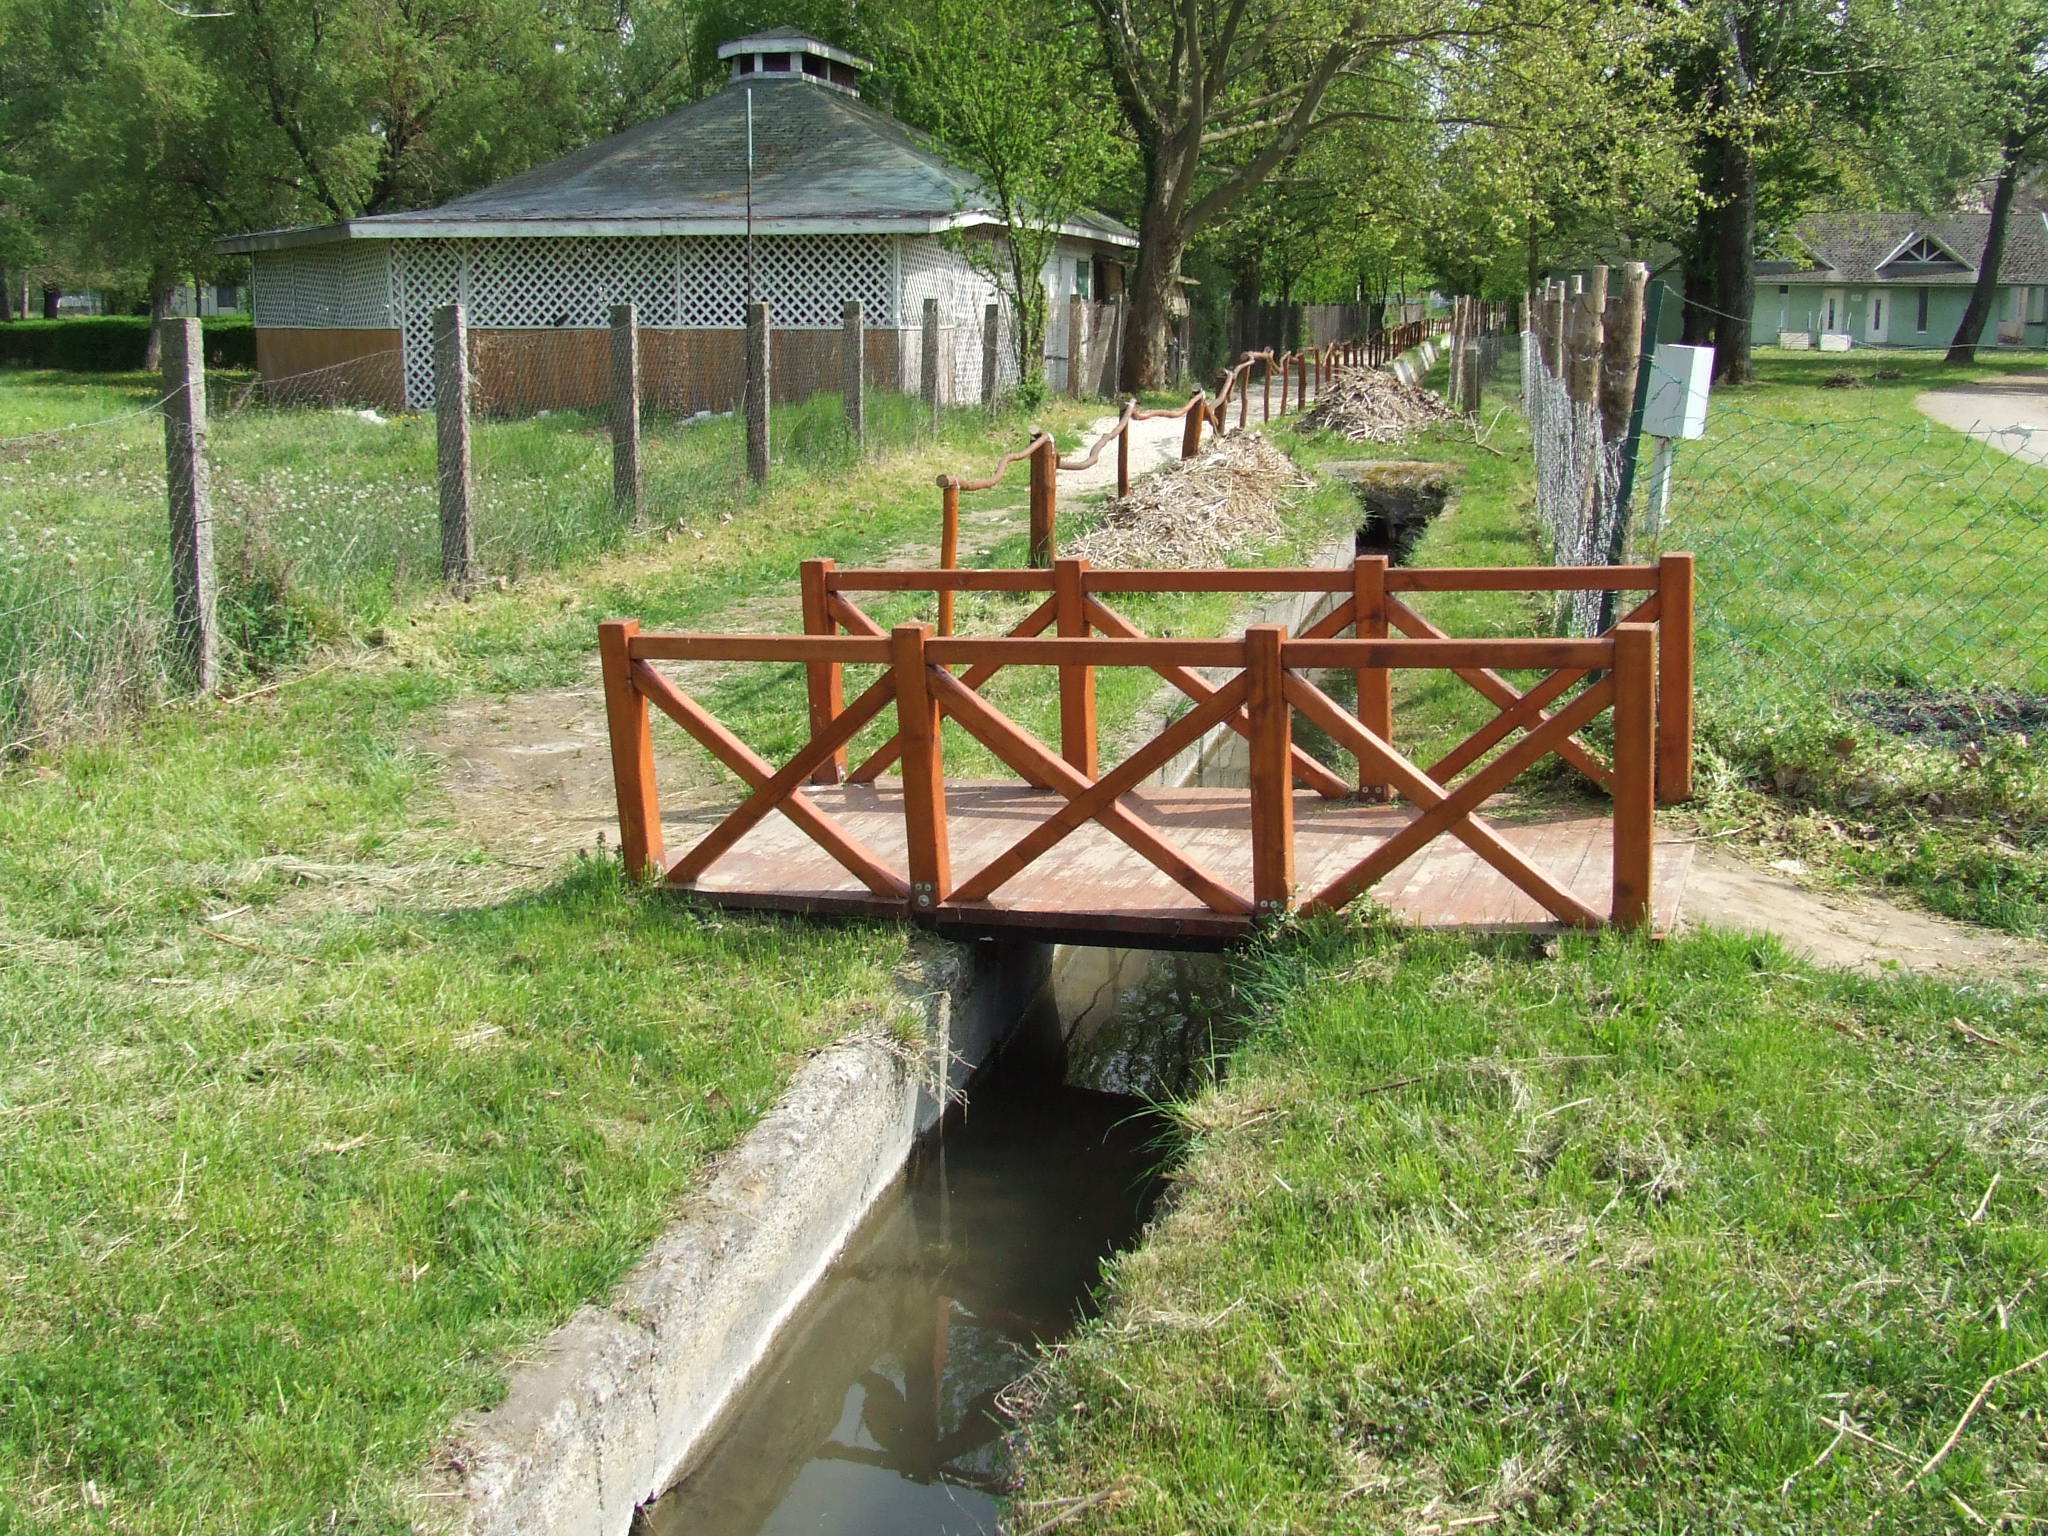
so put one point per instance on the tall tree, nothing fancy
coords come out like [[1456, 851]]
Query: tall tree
[[2007, 64]]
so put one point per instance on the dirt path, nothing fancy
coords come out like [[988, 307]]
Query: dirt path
[[1154, 445], [2009, 413], [1851, 931]]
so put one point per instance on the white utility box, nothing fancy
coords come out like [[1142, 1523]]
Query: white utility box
[[1834, 341], [1795, 341], [1680, 378]]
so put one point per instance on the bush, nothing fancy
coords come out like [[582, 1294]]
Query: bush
[[115, 343]]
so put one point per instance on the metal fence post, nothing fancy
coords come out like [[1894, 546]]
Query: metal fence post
[[626, 409], [991, 344], [928, 375], [191, 501], [856, 342], [451, 445], [757, 391]]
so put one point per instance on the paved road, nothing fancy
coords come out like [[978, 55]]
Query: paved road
[[2009, 413]]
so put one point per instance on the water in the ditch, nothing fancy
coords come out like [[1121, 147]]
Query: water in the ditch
[[878, 1410]]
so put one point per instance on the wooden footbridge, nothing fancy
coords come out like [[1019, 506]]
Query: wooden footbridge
[[1069, 850]]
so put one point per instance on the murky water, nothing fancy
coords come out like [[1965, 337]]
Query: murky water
[[878, 1412]]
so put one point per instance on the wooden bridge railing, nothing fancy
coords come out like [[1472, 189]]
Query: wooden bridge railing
[[1640, 671], [1312, 364]]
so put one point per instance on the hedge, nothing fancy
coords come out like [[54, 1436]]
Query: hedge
[[115, 343]]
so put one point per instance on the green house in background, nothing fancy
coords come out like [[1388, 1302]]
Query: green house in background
[[1901, 280]]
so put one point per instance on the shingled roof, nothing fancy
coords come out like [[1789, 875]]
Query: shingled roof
[[825, 162], [1856, 248]]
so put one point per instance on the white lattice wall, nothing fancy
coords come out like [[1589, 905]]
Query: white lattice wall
[[932, 269], [342, 286]]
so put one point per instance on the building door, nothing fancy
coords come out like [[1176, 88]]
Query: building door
[[1831, 310], [1879, 311]]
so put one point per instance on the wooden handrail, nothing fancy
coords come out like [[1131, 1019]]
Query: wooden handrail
[[1640, 670], [1480, 578]]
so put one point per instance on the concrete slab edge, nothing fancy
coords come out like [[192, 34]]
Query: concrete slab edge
[[618, 1400]]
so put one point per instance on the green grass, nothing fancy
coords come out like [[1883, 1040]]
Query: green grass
[[1852, 554], [1584, 1235], [314, 1106]]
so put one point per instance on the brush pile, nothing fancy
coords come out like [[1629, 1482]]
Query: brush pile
[[1368, 406], [1198, 512]]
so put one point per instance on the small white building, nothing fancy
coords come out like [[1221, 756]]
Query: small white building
[[848, 203]]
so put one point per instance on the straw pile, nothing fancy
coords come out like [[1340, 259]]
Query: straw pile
[[1225, 499], [1367, 406]]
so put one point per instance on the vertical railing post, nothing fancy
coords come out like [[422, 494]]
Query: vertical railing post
[[1635, 792], [1286, 368], [1266, 389], [625, 709], [1191, 426], [854, 343], [824, 681], [924, 773], [451, 446], [759, 386], [1301, 384], [928, 363], [1674, 678], [1045, 473], [1077, 683], [193, 602], [991, 352], [1375, 684], [626, 410], [1244, 393], [949, 544], [1272, 769]]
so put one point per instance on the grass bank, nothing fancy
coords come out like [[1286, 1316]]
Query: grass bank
[[315, 1105], [1580, 1234], [1871, 659]]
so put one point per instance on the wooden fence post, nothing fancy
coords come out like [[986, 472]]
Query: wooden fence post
[[626, 409], [1191, 426], [1674, 678], [1620, 347], [451, 446], [1469, 376], [758, 391], [1077, 347], [1266, 389], [1123, 459], [1286, 368], [949, 544], [193, 602], [1244, 393], [1582, 379], [824, 681], [1375, 684], [991, 352], [928, 369], [1635, 793], [1077, 683], [1301, 384], [924, 772], [1045, 470], [625, 708], [1272, 769], [854, 338]]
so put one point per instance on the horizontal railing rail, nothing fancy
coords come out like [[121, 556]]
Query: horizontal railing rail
[[1639, 671]]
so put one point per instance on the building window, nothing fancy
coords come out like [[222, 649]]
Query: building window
[[1784, 288], [2037, 305], [1923, 250], [1920, 317]]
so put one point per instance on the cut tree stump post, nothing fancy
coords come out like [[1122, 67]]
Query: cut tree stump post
[[855, 336], [1621, 346], [1077, 347], [451, 446], [991, 352], [626, 409], [757, 391], [928, 363], [193, 604]]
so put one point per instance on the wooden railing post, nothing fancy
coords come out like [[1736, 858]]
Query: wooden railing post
[[1266, 389], [1191, 426], [1286, 368], [1301, 386], [1674, 678], [1635, 793], [1045, 474], [1077, 683], [949, 544], [625, 709], [1375, 684], [1244, 395], [924, 773], [1272, 769], [1123, 458], [824, 680]]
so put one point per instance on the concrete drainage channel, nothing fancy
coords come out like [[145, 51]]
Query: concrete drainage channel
[[825, 1330]]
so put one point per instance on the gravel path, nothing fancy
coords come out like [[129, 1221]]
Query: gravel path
[[2010, 414]]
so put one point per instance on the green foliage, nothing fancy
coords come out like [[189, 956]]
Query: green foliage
[[115, 343]]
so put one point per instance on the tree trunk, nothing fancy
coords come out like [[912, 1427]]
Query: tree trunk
[[6, 296], [1151, 316], [1735, 267], [1984, 292], [159, 310], [1696, 328], [50, 298]]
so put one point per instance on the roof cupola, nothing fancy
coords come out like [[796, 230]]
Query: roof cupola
[[785, 53]]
